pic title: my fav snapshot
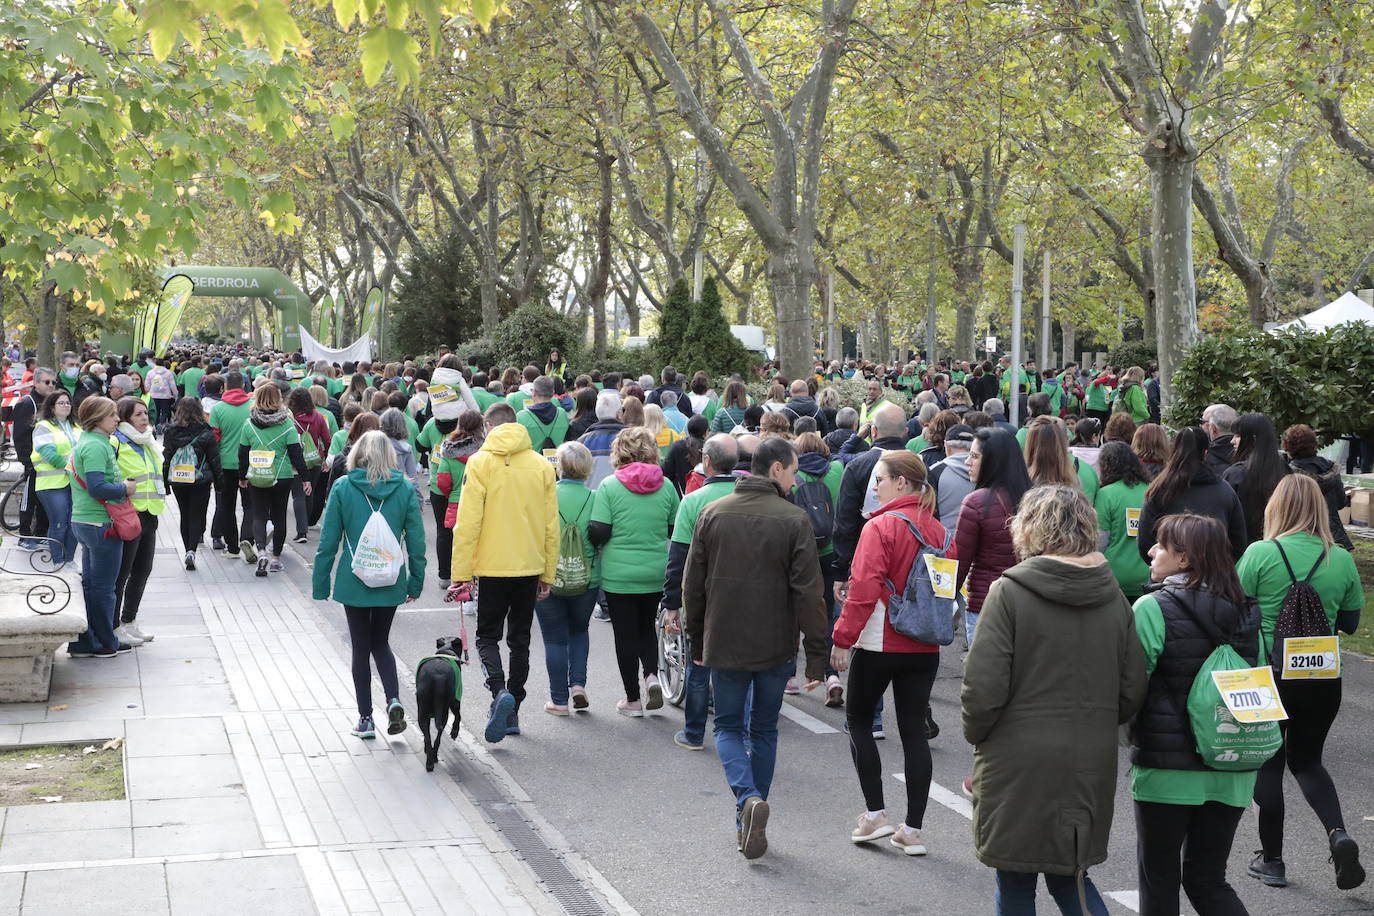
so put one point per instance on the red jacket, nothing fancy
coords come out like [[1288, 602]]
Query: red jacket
[[318, 429], [884, 554], [983, 536]]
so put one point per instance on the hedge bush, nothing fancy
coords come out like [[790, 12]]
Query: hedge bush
[[1134, 353], [1322, 378], [526, 335]]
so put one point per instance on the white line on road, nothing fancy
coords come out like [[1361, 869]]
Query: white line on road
[[807, 721], [961, 805]]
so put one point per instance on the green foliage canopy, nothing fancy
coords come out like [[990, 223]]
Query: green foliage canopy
[[525, 337], [437, 299]]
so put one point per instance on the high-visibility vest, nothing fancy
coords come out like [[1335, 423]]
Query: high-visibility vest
[[866, 411], [137, 464], [64, 440]]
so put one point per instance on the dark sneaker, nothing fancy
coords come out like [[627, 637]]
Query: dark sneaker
[[682, 741], [300, 539], [1345, 855], [81, 653], [1271, 872], [754, 825], [513, 723], [396, 718], [190, 560], [262, 568], [932, 727], [364, 728], [501, 709], [601, 614], [217, 543]]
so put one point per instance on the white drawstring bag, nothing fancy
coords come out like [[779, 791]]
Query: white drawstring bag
[[377, 559]]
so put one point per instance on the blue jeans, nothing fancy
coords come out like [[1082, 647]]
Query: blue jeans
[[57, 503], [1016, 894], [100, 559], [563, 622], [748, 767], [697, 703]]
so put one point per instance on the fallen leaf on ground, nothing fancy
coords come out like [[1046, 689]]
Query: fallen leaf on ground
[[113, 744], [58, 708]]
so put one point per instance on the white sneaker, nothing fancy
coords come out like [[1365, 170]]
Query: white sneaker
[[133, 629], [792, 689], [124, 636], [908, 841], [871, 828]]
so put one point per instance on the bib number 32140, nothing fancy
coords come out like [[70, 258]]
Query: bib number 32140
[[1311, 657]]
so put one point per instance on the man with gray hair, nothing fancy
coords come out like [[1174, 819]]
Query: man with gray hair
[[950, 478], [1219, 422], [545, 421], [120, 385], [718, 457], [668, 399], [601, 434], [846, 419], [997, 409]]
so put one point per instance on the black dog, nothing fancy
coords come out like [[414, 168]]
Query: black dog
[[437, 685]]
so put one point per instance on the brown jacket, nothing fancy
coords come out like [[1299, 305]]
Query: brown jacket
[[752, 581]]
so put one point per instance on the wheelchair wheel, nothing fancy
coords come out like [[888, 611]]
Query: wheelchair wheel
[[672, 663], [10, 504]]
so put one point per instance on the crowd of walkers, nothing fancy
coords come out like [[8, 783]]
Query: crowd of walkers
[[1091, 562]]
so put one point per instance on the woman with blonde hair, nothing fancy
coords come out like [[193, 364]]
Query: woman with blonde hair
[[1056, 668], [777, 398], [631, 520], [1298, 547], [373, 484], [1151, 445], [657, 424], [1130, 397], [775, 424], [878, 656]]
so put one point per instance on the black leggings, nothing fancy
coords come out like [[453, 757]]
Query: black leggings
[[134, 570], [1203, 834], [265, 502], [1312, 707], [633, 618], [192, 500], [912, 675], [443, 537], [302, 505], [225, 524], [368, 631]]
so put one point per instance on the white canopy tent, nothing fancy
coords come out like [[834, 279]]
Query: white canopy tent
[[1349, 308]]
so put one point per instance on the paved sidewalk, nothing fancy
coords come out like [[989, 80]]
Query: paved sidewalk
[[245, 791]]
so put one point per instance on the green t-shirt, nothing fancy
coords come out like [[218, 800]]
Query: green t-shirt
[[334, 386], [275, 439], [1087, 477], [337, 442], [634, 560], [1265, 578], [484, 399], [229, 419], [141, 370], [92, 452], [687, 511], [833, 473], [190, 382], [428, 439], [1118, 514], [455, 469], [1097, 396], [917, 445], [539, 431], [1180, 787], [517, 400], [329, 420], [412, 428]]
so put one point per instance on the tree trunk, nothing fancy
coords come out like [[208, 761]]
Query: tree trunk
[[1171, 237], [491, 311], [792, 304], [600, 279], [1069, 332], [46, 325], [62, 327]]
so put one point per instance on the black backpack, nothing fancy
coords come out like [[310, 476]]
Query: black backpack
[[813, 496], [1301, 615]]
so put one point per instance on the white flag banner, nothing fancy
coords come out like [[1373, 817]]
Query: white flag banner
[[359, 350]]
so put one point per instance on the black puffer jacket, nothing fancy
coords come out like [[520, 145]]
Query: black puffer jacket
[[1196, 621], [1328, 477], [201, 438], [1206, 495]]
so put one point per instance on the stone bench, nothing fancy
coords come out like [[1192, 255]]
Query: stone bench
[[28, 639]]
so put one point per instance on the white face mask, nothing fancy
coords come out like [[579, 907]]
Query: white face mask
[[70, 371]]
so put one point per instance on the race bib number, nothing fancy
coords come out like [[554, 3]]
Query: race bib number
[[442, 394], [1311, 657], [1251, 694], [261, 458], [1132, 523], [551, 455], [942, 572], [183, 473], [297, 374]]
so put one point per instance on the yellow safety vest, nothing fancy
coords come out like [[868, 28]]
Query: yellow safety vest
[[866, 410], [49, 477], [144, 472]]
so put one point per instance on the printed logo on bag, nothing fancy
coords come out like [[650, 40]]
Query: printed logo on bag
[[1311, 657], [942, 574], [1250, 694], [1132, 523]]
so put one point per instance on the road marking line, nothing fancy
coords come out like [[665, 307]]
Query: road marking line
[[1128, 899], [807, 721]]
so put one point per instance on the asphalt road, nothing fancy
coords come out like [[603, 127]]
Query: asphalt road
[[657, 821]]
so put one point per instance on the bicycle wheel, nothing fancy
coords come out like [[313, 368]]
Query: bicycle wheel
[[672, 663], [10, 505]]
